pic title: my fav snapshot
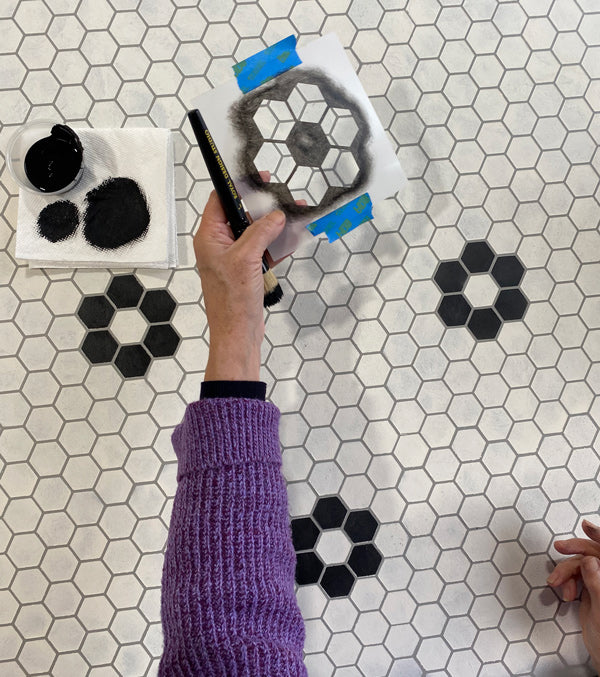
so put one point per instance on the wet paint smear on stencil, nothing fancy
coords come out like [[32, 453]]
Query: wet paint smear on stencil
[[117, 214]]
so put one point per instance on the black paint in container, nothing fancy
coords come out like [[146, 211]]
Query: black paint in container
[[55, 162]]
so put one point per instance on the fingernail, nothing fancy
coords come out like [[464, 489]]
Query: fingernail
[[590, 525], [552, 578], [278, 217]]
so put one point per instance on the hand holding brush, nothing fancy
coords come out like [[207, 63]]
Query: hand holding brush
[[231, 200], [231, 273]]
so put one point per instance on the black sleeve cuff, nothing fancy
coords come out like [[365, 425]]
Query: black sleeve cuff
[[254, 390]]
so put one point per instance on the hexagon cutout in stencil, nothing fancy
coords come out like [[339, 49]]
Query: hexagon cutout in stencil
[[317, 187], [344, 129], [265, 120], [313, 111], [274, 119], [304, 95], [346, 168], [275, 158], [340, 168], [298, 184]]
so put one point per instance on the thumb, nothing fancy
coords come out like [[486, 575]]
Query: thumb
[[259, 234], [590, 573]]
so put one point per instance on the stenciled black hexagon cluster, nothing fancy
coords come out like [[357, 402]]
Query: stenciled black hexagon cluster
[[509, 303], [156, 306], [364, 559]]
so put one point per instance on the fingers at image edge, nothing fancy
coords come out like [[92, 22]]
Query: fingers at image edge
[[578, 546]]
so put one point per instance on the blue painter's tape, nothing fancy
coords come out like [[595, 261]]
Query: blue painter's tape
[[265, 65], [344, 219]]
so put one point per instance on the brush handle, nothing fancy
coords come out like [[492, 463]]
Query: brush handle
[[222, 181]]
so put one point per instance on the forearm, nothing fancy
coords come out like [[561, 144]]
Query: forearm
[[235, 341], [228, 601], [238, 360]]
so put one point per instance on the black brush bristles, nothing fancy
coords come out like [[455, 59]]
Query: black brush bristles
[[272, 288]]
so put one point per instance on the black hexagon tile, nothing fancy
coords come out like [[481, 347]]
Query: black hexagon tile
[[329, 512], [454, 309], [124, 291], [508, 271], [308, 568], [96, 311], [337, 581], [450, 276], [161, 340], [99, 346], [132, 361], [364, 559], [511, 304], [484, 323], [304, 533], [360, 525], [157, 305], [477, 257]]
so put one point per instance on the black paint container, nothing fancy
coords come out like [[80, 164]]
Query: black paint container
[[46, 157]]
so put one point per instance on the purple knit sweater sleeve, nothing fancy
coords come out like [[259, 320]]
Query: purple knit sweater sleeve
[[228, 602]]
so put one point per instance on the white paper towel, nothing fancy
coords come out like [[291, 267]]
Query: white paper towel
[[142, 154]]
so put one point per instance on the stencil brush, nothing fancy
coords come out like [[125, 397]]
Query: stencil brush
[[230, 199]]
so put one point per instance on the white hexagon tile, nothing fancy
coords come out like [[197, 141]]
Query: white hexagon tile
[[438, 369]]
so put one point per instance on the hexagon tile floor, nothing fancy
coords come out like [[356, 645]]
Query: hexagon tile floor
[[438, 369]]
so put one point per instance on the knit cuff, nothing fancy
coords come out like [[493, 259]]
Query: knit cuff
[[217, 432]]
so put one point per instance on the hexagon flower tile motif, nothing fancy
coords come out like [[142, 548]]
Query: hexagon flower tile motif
[[349, 554], [129, 325], [432, 452], [496, 288]]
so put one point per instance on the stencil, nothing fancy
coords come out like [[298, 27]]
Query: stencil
[[314, 129], [309, 134]]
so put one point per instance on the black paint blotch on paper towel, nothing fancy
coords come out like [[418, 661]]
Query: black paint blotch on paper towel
[[58, 221], [116, 214]]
